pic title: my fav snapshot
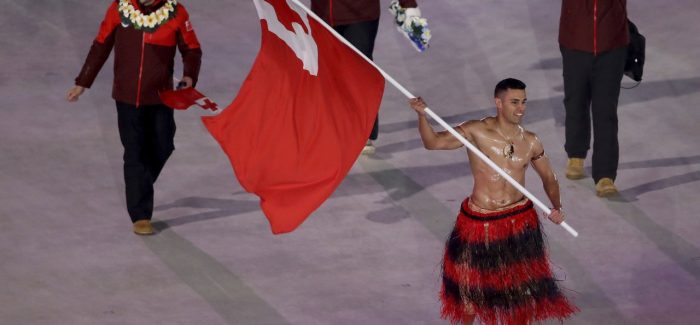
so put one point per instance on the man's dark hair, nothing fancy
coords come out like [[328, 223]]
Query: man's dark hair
[[508, 83]]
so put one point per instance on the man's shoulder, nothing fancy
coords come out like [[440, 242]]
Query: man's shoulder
[[533, 140], [182, 16], [484, 122], [529, 135], [474, 125]]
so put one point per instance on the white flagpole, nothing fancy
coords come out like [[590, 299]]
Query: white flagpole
[[437, 118]]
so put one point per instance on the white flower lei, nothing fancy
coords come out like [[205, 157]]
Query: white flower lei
[[134, 17]]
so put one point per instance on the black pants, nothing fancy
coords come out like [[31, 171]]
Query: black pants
[[362, 36], [591, 89], [147, 134]]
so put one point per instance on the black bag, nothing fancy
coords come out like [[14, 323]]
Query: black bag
[[634, 65]]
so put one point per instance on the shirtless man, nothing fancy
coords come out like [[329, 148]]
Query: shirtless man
[[495, 265]]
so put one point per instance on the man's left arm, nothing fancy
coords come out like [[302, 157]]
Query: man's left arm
[[189, 47], [540, 162]]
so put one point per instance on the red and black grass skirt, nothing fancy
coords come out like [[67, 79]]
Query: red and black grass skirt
[[496, 268]]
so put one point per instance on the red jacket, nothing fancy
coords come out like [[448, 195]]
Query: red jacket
[[143, 60], [593, 26], [343, 12]]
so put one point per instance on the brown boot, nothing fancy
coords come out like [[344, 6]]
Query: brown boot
[[574, 168], [605, 188], [143, 228]]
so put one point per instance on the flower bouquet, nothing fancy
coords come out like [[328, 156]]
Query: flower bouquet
[[410, 23]]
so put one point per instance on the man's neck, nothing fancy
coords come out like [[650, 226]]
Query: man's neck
[[507, 127]]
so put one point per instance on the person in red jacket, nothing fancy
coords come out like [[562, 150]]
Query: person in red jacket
[[144, 35], [593, 38], [357, 21]]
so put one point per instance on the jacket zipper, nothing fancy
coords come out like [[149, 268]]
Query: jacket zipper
[[330, 12], [595, 27], [138, 84]]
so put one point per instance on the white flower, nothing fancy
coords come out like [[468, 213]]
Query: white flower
[[162, 15], [138, 21], [150, 20]]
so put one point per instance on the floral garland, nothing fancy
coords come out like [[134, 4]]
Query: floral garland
[[132, 16]]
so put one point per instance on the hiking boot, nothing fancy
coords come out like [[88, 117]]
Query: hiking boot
[[605, 187], [143, 227], [574, 168]]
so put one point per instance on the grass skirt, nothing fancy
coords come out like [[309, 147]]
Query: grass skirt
[[496, 267]]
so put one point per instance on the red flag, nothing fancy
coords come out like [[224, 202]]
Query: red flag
[[301, 118], [186, 97]]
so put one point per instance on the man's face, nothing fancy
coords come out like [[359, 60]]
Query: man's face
[[511, 105]]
